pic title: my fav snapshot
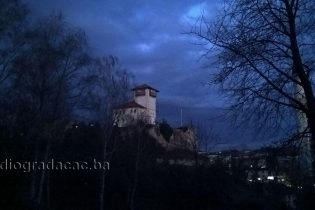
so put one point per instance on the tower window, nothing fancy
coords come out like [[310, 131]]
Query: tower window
[[152, 93], [140, 92]]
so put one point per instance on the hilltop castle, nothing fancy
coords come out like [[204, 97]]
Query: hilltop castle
[[142, 108]]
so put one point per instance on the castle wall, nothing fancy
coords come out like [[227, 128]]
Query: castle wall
[[129, 116]]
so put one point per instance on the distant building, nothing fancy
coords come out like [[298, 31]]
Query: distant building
[[142, 108], [269, 164]]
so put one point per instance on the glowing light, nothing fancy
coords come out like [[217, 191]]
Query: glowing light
[[271, 178]]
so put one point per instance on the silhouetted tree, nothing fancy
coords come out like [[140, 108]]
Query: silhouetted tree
[[12, 26], [266, 57], [46, 85], [106, 85], [207, 138]]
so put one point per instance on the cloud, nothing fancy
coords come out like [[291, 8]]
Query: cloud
[[147, 36], [193, 13]]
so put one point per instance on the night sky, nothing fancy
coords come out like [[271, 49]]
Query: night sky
[[149, 39]]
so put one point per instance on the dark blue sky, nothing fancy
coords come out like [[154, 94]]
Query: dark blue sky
[[148, 38]]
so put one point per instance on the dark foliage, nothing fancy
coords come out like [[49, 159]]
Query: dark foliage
[[159, 185], [166, 130]]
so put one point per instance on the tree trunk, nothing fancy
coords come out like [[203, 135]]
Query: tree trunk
[[136, 174], [103, 179], [42, 180], [306, 90]]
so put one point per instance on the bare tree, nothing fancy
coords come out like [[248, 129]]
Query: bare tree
[[46, 78], [45, 71], [12, 23], [107, 85], [266, 57], [138, 134], [207, 138]]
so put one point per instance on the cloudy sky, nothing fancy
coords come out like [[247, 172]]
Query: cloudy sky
[[149, 39]]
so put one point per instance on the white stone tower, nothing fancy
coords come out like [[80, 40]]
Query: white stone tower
[[145, 95]]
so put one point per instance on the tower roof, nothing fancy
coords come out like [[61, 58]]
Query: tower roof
[[130, 104], [144, 86]]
